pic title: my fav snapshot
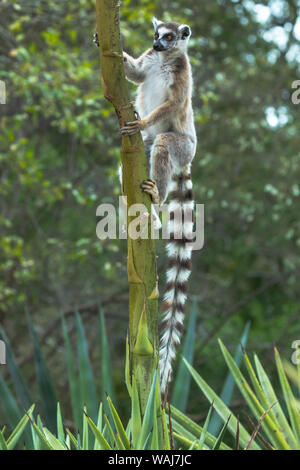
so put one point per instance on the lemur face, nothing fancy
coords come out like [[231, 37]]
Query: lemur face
[[170, 35]]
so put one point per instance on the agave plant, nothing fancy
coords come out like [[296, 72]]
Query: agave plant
[[82, 385], [101, 428], [12, 440], [141, 432], [279, 431]]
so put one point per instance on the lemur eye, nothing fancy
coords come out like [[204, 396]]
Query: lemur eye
[[156, 36], [169, 37]]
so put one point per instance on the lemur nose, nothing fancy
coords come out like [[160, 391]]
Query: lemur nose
[[156, 45]]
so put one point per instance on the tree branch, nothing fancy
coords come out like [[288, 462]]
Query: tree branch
[[142, 275]]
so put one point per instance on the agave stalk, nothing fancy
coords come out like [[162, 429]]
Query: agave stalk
[[142, 274]]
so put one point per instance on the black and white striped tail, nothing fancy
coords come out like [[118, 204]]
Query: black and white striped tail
[[179, 252]]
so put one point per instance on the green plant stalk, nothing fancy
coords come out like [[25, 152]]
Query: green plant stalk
[[142, 274]]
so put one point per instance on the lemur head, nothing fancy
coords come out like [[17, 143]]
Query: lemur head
[[170, 35]]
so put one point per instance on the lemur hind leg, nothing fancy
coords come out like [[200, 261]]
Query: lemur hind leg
[[181, 148], [161, 166], [170, 152], [148, 142], [149, 185]]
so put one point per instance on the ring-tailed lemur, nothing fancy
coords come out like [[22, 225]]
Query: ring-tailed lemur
[[164, 104]]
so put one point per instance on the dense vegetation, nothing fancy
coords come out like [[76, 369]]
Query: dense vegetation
[[59, 154]]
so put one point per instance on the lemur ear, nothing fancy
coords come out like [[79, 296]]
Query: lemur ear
[[156, 22], [184, 31]]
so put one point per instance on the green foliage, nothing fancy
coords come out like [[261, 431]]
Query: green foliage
[[47, 393], [16, 375], [228, 387], [86, 377], [281, 432], [72, 378], [15, 436], [105, 438], [82, 388], [106, 377]]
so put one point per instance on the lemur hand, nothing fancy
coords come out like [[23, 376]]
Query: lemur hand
[[95, 39], [133, 127], [149, 186]]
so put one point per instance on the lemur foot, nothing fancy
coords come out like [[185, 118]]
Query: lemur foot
[[96, 39], [149, 186], [133, 127]]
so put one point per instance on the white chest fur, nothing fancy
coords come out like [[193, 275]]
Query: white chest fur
[[156, 88]]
